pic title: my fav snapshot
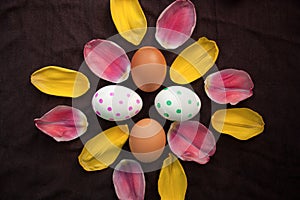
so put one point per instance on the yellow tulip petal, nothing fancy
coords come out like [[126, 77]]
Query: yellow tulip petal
[[241, 123], [172, 182], [129, 19], [60, 81], [103, 149], [194, 61]]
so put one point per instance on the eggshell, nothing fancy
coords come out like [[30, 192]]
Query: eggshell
[[177, 103], [147, 140], [116, 103], [148, 68]]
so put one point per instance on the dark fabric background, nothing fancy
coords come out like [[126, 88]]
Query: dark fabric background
[[259, 36]]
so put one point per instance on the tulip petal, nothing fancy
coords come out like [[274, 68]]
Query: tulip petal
[[60, 81], [241, 123], [129, 20], [129, 180], [107, 60], [172, 182], [194, 61], [103, 149], [229, 86], [175, 24], [63, 123], [191, 141]]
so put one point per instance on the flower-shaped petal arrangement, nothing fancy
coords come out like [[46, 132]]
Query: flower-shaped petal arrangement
[[188, 139]]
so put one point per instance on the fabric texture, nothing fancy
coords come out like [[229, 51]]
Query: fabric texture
[[259, 36]]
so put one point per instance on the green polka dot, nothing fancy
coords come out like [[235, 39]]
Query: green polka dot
[[189, 101], [166, 88], [166, 114], [178, 111], [158, 105], [178, 92], [198, 103], [169, 102], [190, 115]]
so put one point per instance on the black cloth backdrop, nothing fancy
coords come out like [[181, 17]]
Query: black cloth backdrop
[[258, 36]]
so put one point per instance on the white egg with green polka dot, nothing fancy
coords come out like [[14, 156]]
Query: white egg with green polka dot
[[116, 103], [177, 103]]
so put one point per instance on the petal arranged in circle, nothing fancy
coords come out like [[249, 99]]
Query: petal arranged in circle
[[60, 81], [129, 180], [103, 149], [229, 86], [107, 60], [175, 24], [241, 123], [129, 20], [191, 141], [63, 123], [194, 61], [172, 182]]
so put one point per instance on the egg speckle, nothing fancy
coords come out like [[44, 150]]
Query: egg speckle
[[147, 140], [177, 103], [148, 68], [116, 103]]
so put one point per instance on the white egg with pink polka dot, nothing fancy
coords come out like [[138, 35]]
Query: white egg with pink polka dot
[[116, 103]]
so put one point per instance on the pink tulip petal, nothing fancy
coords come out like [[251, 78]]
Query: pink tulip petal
[[107, 60], [175, 24], [191, 141], [129, 180], [229, 86], [63, 123]]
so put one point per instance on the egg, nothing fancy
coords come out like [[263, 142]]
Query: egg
[[116, 103], [147, 140], [177, 103], [148, 68]]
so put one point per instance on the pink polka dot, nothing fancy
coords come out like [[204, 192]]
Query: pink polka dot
[[109, 109], [111, 94], [137, 111], [121, 102], [127, 117], [98, 113], [138, 101], [96, 95], [128, 95], [100, 100], [111, 119], [118, 114], [130, 108]]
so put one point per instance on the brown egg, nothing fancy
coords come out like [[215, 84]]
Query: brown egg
[[147, 140], [148, 68]]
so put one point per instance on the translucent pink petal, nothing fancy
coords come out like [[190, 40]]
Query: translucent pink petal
[[129, 180], [107, 60], [191, 141], [63, 123], [175, 24], [229, 86]]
